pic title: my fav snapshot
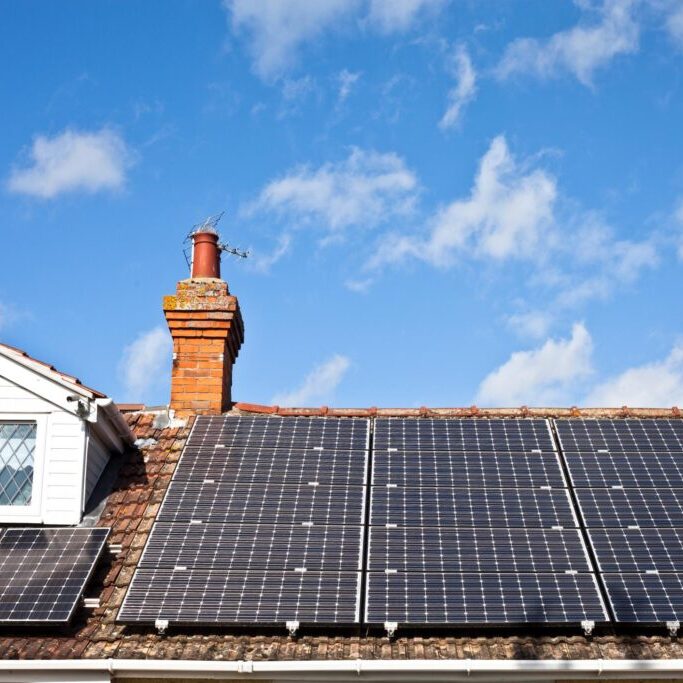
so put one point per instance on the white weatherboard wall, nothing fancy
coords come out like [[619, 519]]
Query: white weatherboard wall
[[59, 459]]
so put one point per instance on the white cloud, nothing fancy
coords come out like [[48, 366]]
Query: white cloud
[[398, 15], [509, 214], [365, 189], [545, 376], [318, 385], [72, 161], [262, 263], [347, 80], [464, 90], [146, 363], [278, 28], [674, 24], [534, 324], [653, 385], [580, 50]]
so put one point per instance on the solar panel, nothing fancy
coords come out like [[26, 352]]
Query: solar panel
[[492, 436], [225, 502], [44, 571], [648, 598], [263, 522], [198, 596], [631, 507], [638, 470], [304, 433], [425, 507], [472, 523], [243, 546], [432, 468], [506, 598], [638, 550], [285, 466], [448, 549], [620, 436], [628, 478]]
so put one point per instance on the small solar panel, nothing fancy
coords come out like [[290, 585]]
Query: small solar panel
[[434, 468], [638, 550], [624, 508], [198, 596], [486, 598], [44, 571], [277, 432], [273, 466], [637, 470], [225, 502], [645, 598], [427, 507], [620, 436], [492, 436], [243, 546], [447, 549]]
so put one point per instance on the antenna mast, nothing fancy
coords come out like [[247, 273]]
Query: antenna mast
[[209, 225]]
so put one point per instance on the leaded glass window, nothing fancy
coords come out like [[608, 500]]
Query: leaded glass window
[[17, 457]]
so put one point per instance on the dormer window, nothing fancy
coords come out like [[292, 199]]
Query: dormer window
[[17, 462]]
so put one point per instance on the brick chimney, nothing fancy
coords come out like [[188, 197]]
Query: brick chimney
[[207, 330]]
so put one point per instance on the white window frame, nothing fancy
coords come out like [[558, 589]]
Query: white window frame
[[32, 512]]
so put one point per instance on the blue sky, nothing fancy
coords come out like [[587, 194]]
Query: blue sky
[[446, 202]]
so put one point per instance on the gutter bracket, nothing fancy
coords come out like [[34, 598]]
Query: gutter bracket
[[245, 666]]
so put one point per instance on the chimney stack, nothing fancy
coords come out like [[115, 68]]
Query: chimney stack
[[207, 331]]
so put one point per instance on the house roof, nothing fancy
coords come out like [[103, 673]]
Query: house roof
[[131, 509], [47, 369]]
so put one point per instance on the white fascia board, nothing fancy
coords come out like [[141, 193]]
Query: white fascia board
[[109, 425], [342, 670], [42, 385]]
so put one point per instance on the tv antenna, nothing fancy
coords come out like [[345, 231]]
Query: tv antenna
[[210, 224]]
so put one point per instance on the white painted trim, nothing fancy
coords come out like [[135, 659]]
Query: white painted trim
[[341, 670], [29, 513]]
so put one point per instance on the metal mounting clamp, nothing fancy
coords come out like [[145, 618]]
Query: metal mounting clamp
[[390, 627]]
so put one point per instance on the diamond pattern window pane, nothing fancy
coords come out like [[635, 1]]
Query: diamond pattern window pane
[[17, 449]]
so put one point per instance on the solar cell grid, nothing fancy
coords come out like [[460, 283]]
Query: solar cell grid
[[431, 469], [43, 571], [486, 507], [225, 502], [631, 507], [634, 470], [645, 598], [502, 435], [291, 433], [623, 435], [638, 550], [285, 466], [246, 546], [445, 549], [448, 598], [195, 596]]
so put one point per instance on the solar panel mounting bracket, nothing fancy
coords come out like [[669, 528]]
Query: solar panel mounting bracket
[[587, 625], [292, 627], [390, 627], [673, 627], [161, 625]]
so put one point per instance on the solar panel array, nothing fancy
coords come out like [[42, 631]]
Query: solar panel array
[[471, 522], [44, 571], [628, 478], [263, 523]]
